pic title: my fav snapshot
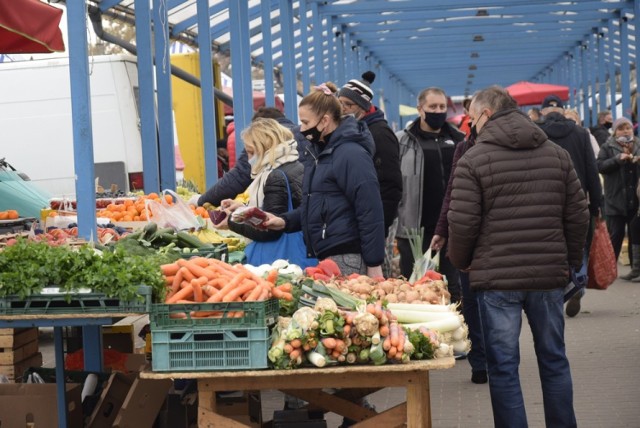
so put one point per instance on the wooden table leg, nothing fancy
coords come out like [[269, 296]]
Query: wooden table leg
[[419, 402]]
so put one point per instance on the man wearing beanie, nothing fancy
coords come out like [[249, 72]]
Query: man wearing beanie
[[355, 98], [575, 140], [618, 164]]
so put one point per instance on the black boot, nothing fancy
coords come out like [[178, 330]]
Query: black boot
[[635, 264]]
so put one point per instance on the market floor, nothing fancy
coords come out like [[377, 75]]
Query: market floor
[[603, 344]]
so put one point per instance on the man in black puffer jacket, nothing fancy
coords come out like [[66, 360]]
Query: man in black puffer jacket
[[355, 98], [575, 140]]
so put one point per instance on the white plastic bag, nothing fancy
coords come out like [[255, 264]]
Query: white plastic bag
[[177, 215]]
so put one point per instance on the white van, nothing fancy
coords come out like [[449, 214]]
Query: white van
[[36, 131]]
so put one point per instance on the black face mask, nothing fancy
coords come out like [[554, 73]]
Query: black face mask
[[474, 131], [435, 120], [312, 134], [608, 125]]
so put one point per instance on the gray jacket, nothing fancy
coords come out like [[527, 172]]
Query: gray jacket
[[412, 167]]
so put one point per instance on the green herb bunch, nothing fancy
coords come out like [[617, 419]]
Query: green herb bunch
[[27, 267]]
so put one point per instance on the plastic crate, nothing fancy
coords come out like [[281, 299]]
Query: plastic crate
[[233, 314], [210, 349], [79, 303]]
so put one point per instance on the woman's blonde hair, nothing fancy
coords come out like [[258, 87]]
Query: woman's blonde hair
[[574, 114], [264, 134]]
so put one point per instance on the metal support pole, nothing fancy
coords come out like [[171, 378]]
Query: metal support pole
[[625, 80], [288, 61], [147, 98], [165, 103], [81, 120], [267, 54], [206, 89], [240, 69], [318, 53]]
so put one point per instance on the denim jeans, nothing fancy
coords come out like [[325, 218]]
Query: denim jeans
[[501, 314], [471, 313]]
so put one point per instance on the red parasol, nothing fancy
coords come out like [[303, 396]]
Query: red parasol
[[29, 26], [528, 93], [258, 101]]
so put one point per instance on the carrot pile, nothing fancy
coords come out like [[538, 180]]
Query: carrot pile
[[207, 280]]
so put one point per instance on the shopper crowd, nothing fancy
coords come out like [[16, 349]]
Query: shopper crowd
[[508, 199]]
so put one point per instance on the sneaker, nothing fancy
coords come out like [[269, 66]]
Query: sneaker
[[573, 305], [479, 376]]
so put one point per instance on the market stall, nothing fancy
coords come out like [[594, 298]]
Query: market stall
[[308, 384]]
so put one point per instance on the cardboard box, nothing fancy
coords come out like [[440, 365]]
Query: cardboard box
[[122, 336], [37, 403], [128, 401]]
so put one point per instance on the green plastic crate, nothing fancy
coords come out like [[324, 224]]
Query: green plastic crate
[[209, 349], [79, 303], [254, 314]]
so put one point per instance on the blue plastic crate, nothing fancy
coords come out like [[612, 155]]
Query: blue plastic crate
[[209, 349], [78, 303]]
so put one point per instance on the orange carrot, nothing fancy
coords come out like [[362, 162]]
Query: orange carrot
[[288, 348], [200, 261], [296, 343], [297, 352], [181, 294], [264, 295], [386, 344], [169, 269], [177, 280], [168, 280], [287, 296], [329, 343], [335, 354], [384, 331], [378, 308], [177, 315], [209, 290], [272, 276], [254, 294], [218, 282], [186, 274], [286, 287], [197, 289], [184, 283], [197, 270], [340, 345], [306, 347], [371, 308], [400, 346], [392, 352], [227, 288], [347, 329], [394, 335], [277, 293], [245, 286], [185, 302]]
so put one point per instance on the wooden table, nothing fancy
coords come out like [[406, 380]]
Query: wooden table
[[308, 384]]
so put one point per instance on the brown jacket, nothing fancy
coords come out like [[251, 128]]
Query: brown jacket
[[518, 216]]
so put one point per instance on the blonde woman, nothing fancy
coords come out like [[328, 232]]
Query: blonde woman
[[277, 180]]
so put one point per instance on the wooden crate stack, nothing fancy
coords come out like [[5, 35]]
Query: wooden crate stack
[[18, 352]]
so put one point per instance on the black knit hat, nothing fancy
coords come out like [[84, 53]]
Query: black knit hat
[[359, 91]]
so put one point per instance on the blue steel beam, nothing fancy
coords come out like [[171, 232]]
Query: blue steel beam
[[269, 92], [289, 69], [304, 46], [83, 160], [624, 67], [602, 73], [209, 140], [147, 98], [166, 148], [240, 69], [612, 36]]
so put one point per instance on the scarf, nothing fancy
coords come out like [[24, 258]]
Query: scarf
[[284, 153]]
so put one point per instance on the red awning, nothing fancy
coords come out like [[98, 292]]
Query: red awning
[[29, 26], [528, 93]]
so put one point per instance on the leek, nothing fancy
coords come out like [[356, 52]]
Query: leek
[[316, 359], [425, 307], [444, 325], [411, 317]]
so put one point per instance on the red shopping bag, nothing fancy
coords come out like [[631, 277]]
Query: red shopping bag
[[603, 267]]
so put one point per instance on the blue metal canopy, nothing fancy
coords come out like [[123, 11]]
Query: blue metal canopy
[[462, 46]]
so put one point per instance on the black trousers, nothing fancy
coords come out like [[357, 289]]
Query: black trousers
[[617, 225]]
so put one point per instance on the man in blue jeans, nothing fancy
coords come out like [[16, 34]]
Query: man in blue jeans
[[518, 221]]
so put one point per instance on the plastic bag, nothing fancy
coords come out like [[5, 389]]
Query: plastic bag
[[177, 215], [423, 264]]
